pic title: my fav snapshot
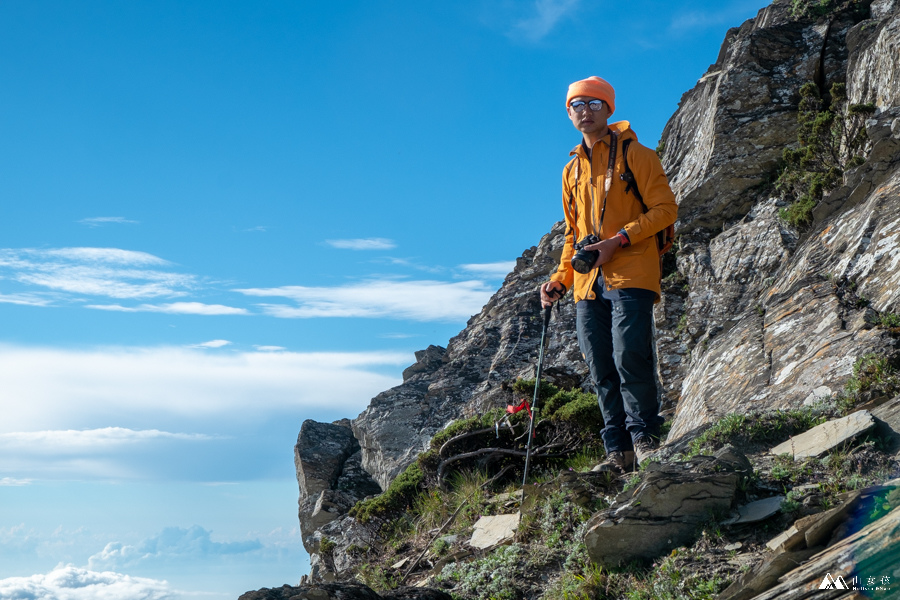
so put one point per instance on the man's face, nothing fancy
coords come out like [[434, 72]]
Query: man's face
[[588, 122]]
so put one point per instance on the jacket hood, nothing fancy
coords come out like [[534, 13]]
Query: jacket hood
[[622, 128]]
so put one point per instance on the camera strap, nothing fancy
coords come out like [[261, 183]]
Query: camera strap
[[610, 167], [576, 168]]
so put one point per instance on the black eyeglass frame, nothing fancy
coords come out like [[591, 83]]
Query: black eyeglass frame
[[579, 105]]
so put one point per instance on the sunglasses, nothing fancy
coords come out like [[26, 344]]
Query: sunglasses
[[578, 105]]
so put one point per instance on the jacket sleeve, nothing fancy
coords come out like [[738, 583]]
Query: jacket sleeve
[[662, 209], [565, 274]]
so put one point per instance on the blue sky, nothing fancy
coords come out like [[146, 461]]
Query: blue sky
[[223, 218]]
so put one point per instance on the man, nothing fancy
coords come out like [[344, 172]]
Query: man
[[614, 299]]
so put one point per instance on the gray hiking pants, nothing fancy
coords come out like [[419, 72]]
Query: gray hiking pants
[[616, 340]]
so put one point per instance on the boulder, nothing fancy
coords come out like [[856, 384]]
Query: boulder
[[320, 453], [330, 475], [666, 509], [343, 591], [427, 361]]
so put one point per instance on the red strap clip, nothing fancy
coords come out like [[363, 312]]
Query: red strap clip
[[523, 406]]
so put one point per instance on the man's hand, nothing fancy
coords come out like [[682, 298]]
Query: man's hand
[[551, 292], [606, 249]]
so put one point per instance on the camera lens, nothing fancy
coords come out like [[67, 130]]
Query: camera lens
[[581, 265]]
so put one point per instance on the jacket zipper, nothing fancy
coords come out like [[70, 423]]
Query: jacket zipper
[[594, 226]]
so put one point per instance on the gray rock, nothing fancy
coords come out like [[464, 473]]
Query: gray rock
[[330, 475], [494, 530], [343, 591], [888, 418], [347, 539], [758, 511], [722, 141], [799, 335], [873, 74], [325, 591], [827, 436], [871, 551], [354, 480], [763, 320], [320, 454], [427, 361], [666, 509], [765, 575]]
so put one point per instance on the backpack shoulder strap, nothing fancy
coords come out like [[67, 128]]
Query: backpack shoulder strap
[[628, 176], [575, 165], [664, 238]]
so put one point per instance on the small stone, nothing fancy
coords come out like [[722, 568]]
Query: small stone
[[495, 530], [759, 510], [819, 440], [734, 546]]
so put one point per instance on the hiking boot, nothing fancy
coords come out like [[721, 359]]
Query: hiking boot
[[645, 447], [618, 462]]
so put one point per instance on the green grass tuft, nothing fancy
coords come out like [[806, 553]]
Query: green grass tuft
[[397, 497]]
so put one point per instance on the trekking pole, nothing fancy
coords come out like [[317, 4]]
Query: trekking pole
[[537, 390]]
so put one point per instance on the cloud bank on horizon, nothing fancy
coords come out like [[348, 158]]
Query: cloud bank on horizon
[[68, 582], [103, 575]]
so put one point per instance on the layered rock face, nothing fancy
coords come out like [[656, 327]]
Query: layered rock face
[[775, 319], [758, 316]]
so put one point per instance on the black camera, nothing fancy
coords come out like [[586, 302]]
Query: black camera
[[584, 260]]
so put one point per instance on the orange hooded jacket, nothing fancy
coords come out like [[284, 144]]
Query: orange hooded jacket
[[636, 265]]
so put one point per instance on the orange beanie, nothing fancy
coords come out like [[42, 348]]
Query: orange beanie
[[595, 88]]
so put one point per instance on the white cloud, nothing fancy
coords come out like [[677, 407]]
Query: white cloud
[[115, 256], [50, 389], [67, 582], [546, 15], [100, 221], [417, 300], [270, 348], [363, 244], [212, 344], [12, 482], [24, 299], [495, 269], [108, 272], [87, 440], [172, 544], [175, 308]]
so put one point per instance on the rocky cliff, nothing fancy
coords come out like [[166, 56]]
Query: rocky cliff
[[757, 314]]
